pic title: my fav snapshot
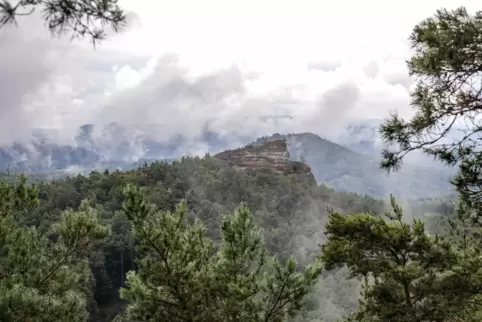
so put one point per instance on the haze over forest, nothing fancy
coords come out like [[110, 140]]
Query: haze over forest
[[268, 161]]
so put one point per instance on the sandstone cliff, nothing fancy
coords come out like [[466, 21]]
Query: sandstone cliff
[[271, 155]]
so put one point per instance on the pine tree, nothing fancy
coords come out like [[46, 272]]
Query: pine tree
[[409, 276], [184, 276], [41, 278], [447, 99], [80, 17]]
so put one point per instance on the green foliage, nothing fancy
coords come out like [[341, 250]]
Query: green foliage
[[290, 210], [76, 16], [41, 279], [182, 278], [447, 100], [409, 275]]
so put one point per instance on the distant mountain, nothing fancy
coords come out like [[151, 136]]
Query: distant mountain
[[346, 170], [108, 146], [115, 147]]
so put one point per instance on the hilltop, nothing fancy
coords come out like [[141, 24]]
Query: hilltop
[[272, 155], [114, 148], [346, 170]]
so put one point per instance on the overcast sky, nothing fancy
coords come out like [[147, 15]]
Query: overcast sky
[[187, 66]]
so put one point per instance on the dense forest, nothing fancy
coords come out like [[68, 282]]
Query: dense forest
[[199, 240], [291, 211]]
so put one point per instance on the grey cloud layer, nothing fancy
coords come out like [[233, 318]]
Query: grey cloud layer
[[173, 102], [49, 82], [22, 72]]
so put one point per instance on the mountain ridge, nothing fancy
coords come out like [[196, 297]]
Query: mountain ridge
[[118, 149], [272, 155], [346, 170]]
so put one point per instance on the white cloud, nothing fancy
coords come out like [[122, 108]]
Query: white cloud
[[186, 66], [127, 77]]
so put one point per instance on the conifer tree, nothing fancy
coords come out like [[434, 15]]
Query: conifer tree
[[409, 275], [184, 276], [79, 17], [41, 277], [447, 100]]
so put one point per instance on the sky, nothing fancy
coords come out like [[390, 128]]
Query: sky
[[188, 66]]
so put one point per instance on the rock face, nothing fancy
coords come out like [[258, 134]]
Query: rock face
[[271, 155]]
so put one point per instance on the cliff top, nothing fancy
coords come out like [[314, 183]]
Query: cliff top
[[271, 155], [279, 146]]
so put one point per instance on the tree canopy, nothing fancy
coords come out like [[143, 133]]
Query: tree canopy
[[447, 99], [182, 277], [409, 275], [42, 278], [289, 210]]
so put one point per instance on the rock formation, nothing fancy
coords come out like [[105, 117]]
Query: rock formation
[[271, 155]]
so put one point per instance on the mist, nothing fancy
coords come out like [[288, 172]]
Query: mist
[[182, 81], [167, 92]]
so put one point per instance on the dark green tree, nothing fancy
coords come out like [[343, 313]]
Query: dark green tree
[[282, 204], [447, 99], [43, 279], [183, 276], [409, 275], [79, 17]]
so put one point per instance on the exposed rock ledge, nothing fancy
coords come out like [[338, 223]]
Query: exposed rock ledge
[[271, 155]]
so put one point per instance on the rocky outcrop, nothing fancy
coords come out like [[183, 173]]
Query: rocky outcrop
[[271, 155]]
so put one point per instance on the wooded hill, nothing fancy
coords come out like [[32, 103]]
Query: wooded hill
[[291, 209]]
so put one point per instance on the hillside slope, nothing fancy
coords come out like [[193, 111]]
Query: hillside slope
[[272, 155], [346, 170], [114, 147], [291, 210]]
